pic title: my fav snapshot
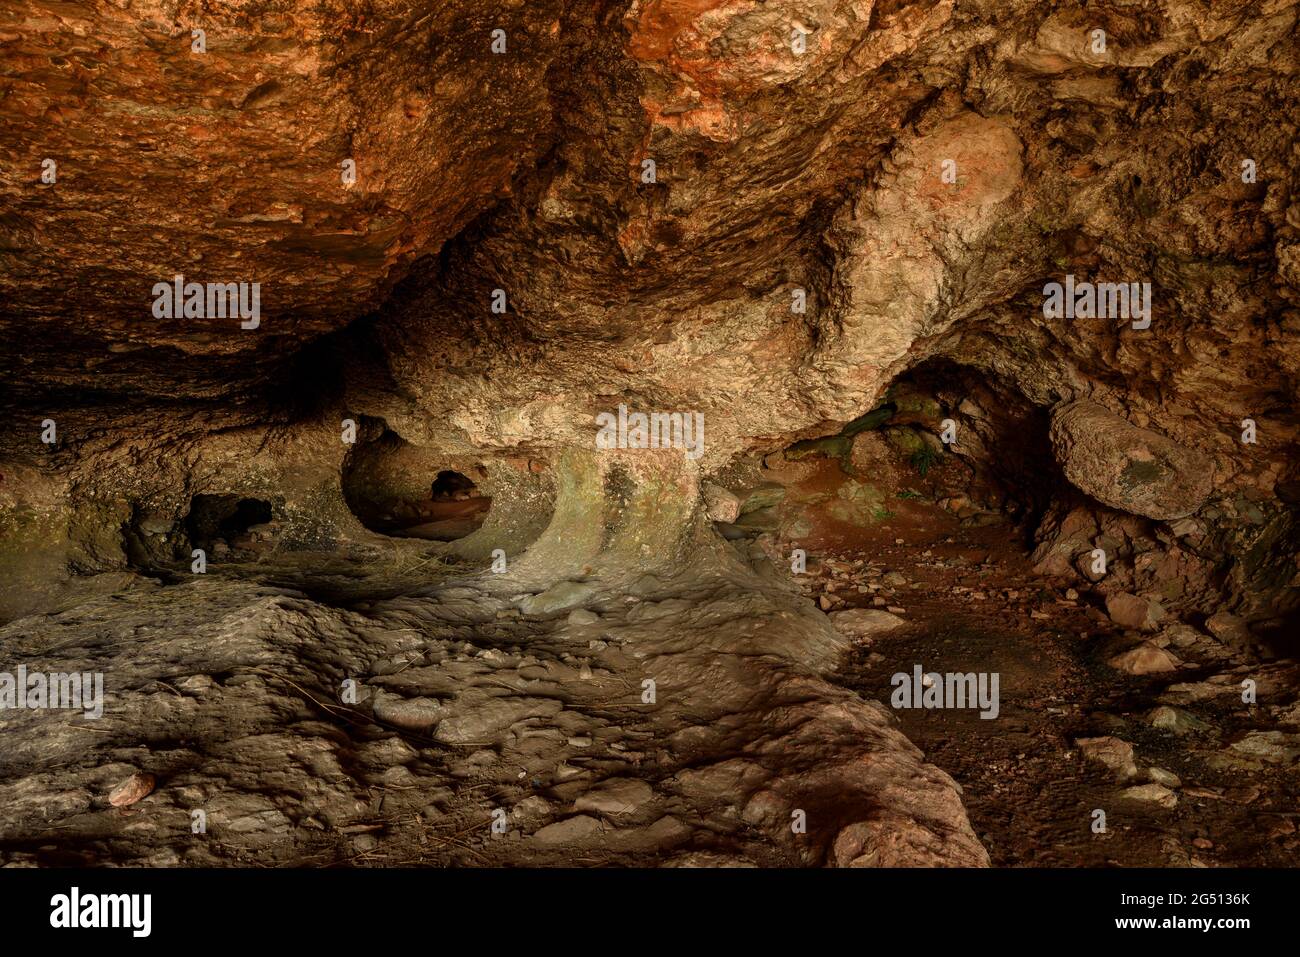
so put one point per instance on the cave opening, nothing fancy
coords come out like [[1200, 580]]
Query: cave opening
[[401, 490], [990, 442], [913, 529], [222, 522], [451, 486], [947, 447]]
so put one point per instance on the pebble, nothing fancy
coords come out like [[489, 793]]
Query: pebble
[[1111, 753], [1175, 719], [1161, 776], [865, 622], [134, 788], [531, 809], [1156, 794], [410, 714], [1145, 659]]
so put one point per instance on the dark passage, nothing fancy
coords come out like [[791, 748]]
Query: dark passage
[[387, 485], [228, 519]]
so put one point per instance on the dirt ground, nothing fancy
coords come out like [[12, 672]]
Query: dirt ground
[[973, 603]]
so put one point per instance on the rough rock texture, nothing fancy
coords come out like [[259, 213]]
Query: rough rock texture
[[771, 215], [1130, 469], [775, 171], [226, 166], [235, 710]]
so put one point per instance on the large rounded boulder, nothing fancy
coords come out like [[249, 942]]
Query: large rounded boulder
[[1131, 469]]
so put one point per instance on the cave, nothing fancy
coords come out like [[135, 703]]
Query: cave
[[616, 430], [397, 489], [451, 486], [222, 520]]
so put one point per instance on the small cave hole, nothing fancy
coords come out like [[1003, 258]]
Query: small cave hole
[[1001, 458], [454, 509], [452, 487], [219, 523], [397, 489]]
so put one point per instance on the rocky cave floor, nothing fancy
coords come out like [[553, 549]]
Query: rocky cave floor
[[479, 704], [973, 603], [970, 600]]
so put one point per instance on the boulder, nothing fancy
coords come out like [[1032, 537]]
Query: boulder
[[721, 505], [1145, 659], [1131, 469], [1111, 753], [1269, 747], [859, 503], [1232, 631], [763, 495], [865, 622], [1130, 611]]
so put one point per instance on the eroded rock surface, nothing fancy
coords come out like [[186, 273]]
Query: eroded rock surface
[[460, 707], [820, 234], [1130, 469]]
